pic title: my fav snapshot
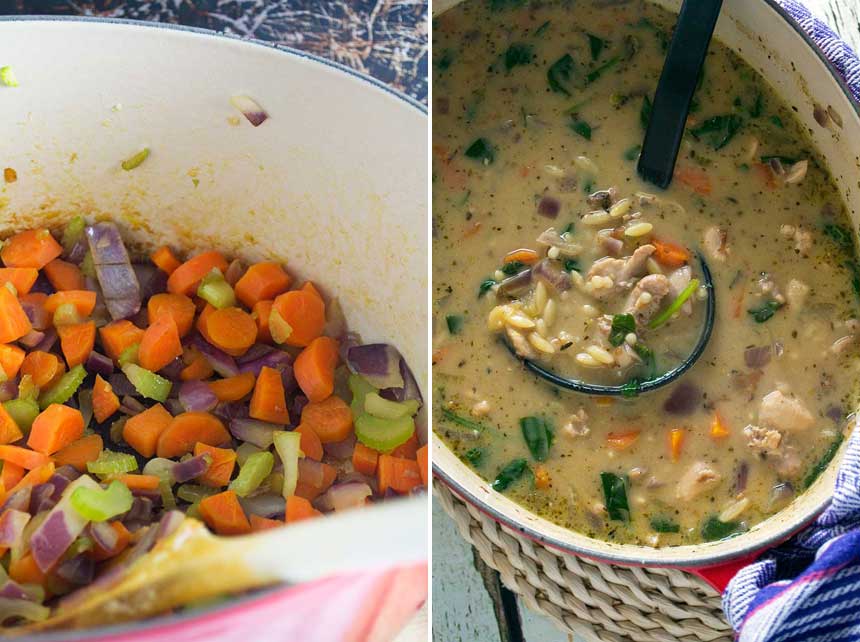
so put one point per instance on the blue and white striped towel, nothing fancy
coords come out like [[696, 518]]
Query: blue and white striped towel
[[808, 589]]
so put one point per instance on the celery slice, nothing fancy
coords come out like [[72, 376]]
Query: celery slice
[[193, 493], [7, 76], [88, 267], [147, 383], [129, 355], [383, 435], [73, 232], [99, 505], [360, 388], [245, 450], [63, 390], [256, 468], [23, 411], [66, 314], [387, 409], [112, 463], [287, 445], [215, 290], [278, 327]]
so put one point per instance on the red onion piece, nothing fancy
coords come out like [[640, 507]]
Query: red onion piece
[[250, 109], [48, 342], [151, 280], [220, 361], [346, 342], [12, 590], [121, 385], [174, 407], [551, 274], [298, 404], [265, 505], [253, 431], [276, 359], [173, 370], [231, 410], [32, 339], [61, 527], [8, 390], [42, 498], [549, 207], [410, 389], [115, 274], [255, 352], [140, 511], [131, 406], [234, 272], [42, 285], [311, 472], [103, 534], [197, 396], [684, 399], [12, 524], [40, 319], [169, 523], [99, 364], [341, 449], [344, 496], [742, 473], [78, 251], [78, 570], [19, 500], [379, 363], [187, 470], [757, 356]]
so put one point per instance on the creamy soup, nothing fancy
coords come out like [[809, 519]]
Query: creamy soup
[[548, 245]]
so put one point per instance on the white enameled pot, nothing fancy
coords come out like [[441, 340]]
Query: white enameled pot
[[334, 184], [767, 38]]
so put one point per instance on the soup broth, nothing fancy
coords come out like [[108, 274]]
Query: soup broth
[[546, 239]]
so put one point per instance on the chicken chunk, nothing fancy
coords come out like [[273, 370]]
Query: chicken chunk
[[785, 413], [678, 280], [645, 298], [520, 344], [609, 276], [716, 245], [698, 478], [763, 441], [796, 293], [577, 424]]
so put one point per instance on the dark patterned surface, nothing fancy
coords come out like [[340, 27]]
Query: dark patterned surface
[[384, 38]]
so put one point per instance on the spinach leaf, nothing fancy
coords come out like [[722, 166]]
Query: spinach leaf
[[453, 417], [757, 107], [765, 311], [514, 267], [539, 436], [571, 265], [622, 325], [647, 355], [632, 153], [474, 456], [821, 465], [518, 54], [645, 112], [717, 131], [560, 74], [840, 234], [509, 474], [713, 529], [481, 150], [485, 286], [594, 74], [776, 120], [615, 496], [596, 45], [566, 229], [455, 323], [445, 60], [540, 30], [630, 389], [499, 5], [664, 525], [582, 128]]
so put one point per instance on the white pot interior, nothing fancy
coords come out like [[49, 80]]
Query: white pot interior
[[773, 46]]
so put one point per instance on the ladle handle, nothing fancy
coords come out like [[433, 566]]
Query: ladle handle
[[675, 90]]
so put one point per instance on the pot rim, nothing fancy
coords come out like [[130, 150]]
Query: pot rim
[[166, 623], [700, 555]]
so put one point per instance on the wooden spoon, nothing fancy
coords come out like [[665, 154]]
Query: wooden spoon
[[192, 564]]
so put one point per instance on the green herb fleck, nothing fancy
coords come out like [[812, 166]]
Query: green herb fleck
[[567, 229], [514, 267], [509, 474], [776, 120], [622, 325], [765, 311], [571, 265], [560, 74], [455, 323], [453, 417], [445, 60], [582, 128], [542, 29], [538, 434], [518, 54], [135, 161], [645, 112], [757, 107], [713, 529], [485, 286], [474, 456], [841, 235], [615, 496], [821, 465], [596, 45], [630, 389], [647, 355], [717, 131], [632, 153], [594, 74], [664, 525], [481, 150]]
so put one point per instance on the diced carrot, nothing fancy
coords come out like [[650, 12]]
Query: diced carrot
[[542, 477], [122, 541], [263, 523], [55, 428], [11, 359], [408, 449], [43, 367], [77, 341], [14, 322], [676, 442], [231, 329], [80, 452], [9, 430], [223, 513], [233, 388], [330, 419], [134, 481], [523, 255], [12, 473], [160, 344], [262, 281], [765, 173], [31, 248], [695, 178], [24, 570], [143, 430], [198, 370], [83, 300], [187, 429], [719, 429], [401, 475], [105, 401], [314, 368], [364, 459], [64, 275], [34, 477], [220, 469], [268, 403], [261, 312], [622, 440], [118, 336], [35, 301], [314, 478], [304, 312], [178, 306], [186, 278], [22, 278], [24, 457], [299, 508], [165, 260], [310, 443], [670, 254]]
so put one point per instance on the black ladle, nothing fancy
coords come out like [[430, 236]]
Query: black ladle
[[678, 81]]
